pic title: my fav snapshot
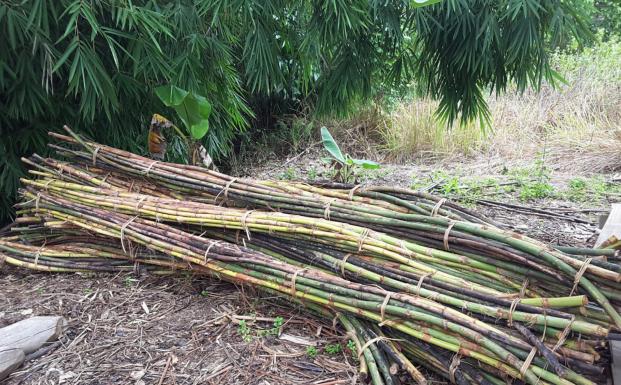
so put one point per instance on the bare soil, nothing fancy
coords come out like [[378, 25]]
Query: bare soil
[[579, 227], [167, 330]]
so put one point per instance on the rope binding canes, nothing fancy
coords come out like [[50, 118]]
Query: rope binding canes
[[372, 341], [514, 304], [38, 254], [446, 235], [139, 202], [123, 232], [148, 169], [293, 278], [244, 218], [384, 304], [517, 301], [362, 238], [351, 193], [579, 274], [95, 151], [436, 208], [326, 211], [528, 361], [342, 262], [563, 336], [225, 190], [211, 244], [455, 362], [420, 282]]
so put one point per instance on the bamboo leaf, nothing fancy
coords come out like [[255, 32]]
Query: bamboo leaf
[[423, 3]]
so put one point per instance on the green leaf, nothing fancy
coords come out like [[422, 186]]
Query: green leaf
[[423, 3], [170, 95], [330, 145], [193, 110], [199, 130], [366, 164], [558, 77], [204, 106]]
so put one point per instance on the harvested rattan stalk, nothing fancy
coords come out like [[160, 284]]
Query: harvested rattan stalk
[[443, 286]]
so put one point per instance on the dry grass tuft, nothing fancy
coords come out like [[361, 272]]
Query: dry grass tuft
[[579, 120]]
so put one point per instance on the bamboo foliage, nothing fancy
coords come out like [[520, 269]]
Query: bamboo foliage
[[96, 64]]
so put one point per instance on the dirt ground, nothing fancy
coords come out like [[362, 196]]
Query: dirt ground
[[567, 223], [186, 330], [168, 330]]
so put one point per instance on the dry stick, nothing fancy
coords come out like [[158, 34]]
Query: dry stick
[[547, 353], [352, 326], [407, 365]]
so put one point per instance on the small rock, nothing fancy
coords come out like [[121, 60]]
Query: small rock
[[66, 376], [137, 374]]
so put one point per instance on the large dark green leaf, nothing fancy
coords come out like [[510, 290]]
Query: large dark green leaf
[[199, 130], [170, 95], [194, 110]]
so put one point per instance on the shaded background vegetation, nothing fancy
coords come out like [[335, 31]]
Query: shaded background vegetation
[[94, 64]]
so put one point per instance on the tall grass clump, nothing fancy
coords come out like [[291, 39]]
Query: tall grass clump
[[412, 130], [580, 117]]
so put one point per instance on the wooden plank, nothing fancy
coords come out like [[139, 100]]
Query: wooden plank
[[612, 227], [615, 351], [10, 359], [30, 334]]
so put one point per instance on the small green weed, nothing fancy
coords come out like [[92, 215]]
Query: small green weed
[[244, 331], [333, 349], [533, 182], [536, 190], [451, 186], [351, 345], [577, 190], [289, 174], [204, 293], [311, 174], [278, 322], [277, 326], [590, 189], [418, 183], [311, 351]]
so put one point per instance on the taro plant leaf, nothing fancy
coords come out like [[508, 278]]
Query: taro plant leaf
[[193, 110], [204, 106], [330, 145], [170, 95], [199, 129], [366, 164]]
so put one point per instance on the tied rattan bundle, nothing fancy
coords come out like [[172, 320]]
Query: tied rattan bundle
[[416, 281]]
